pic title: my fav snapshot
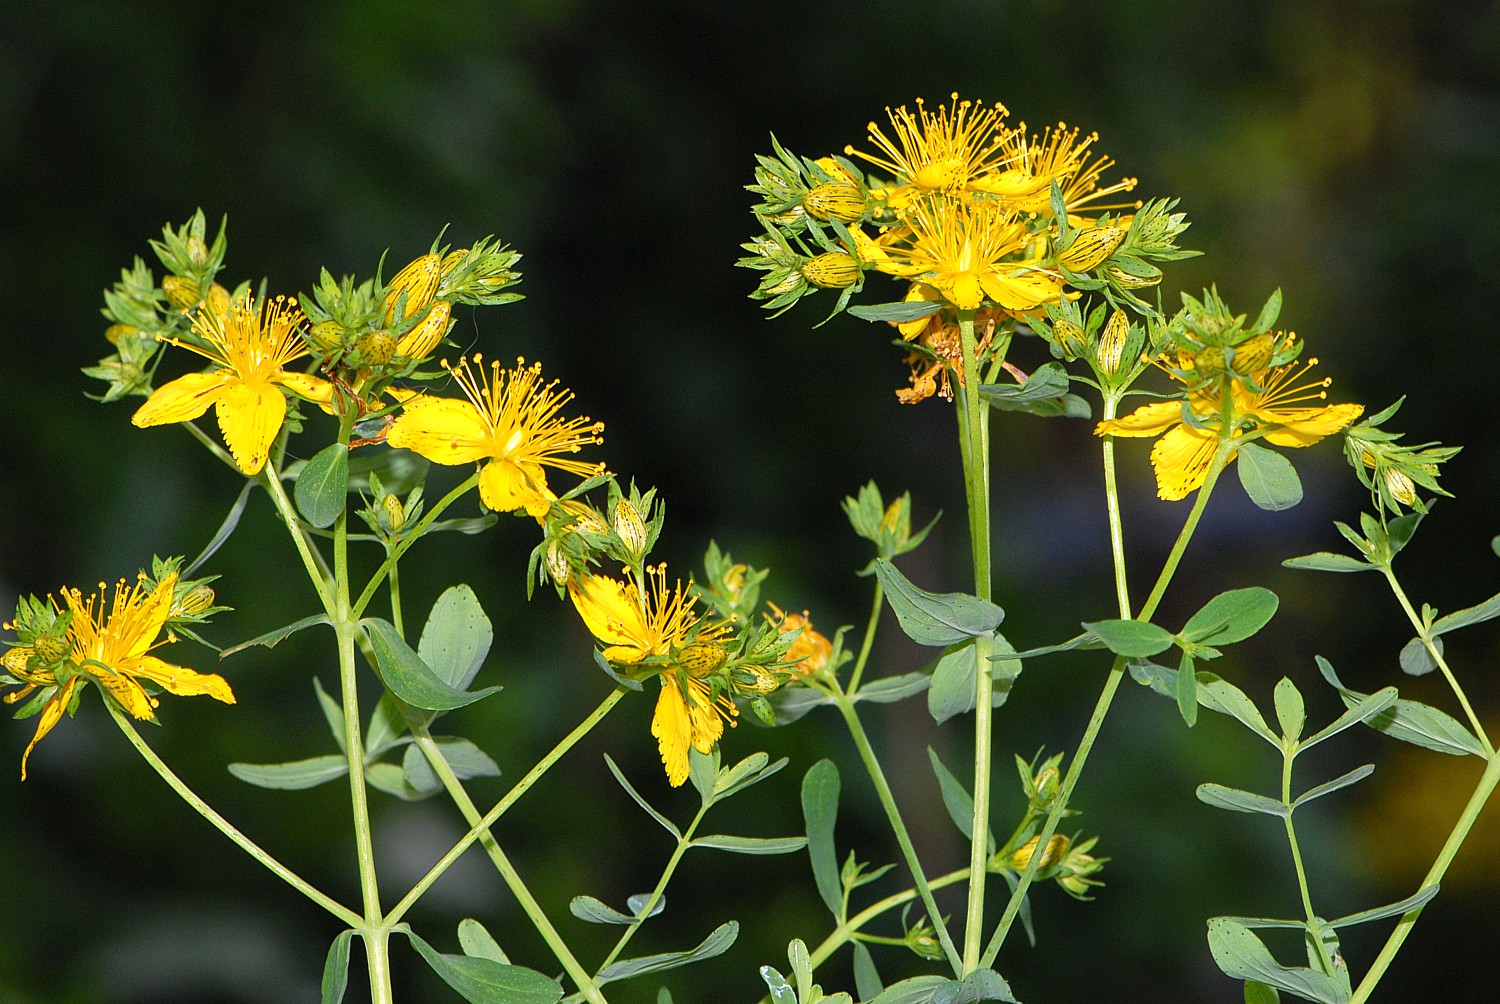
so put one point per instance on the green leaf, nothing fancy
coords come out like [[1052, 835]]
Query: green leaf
[[408, 677], [1416, 660], [754, 769], [1343, 781], [1130, 638], [385, 728], [1269, 478], [399, 471], [917, 990], [781, 992], [1325, 561], [1488, 610], [1291, 711], [593, 911], [751, 845], [889, 689], [703, 771], [457, 637], [630, 790], [953, 683], [226, 529], [391, 779], [716, 943], [899, 312], [1231, 616], [293, 776], [1360, 711], [477, 942], [1411, 721], [820, 810], [866, 979], [322, 489], [936, 619], [957, 800], [1242, 956], [485, 981], [980, 985], [464, 758], [272, 638], [336, 969], [1187, 691], [333, 714], [1405, 906], [1221, 696], [1260, 993], [1236, 800], [1044, 393], [1084, 641]]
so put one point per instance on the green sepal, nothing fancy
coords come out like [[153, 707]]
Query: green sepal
[[322, 488]]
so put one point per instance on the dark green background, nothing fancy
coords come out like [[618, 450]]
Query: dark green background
[[1345, 152]]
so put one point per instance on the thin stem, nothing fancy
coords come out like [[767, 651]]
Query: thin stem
[[898, 826], [1482, 791], [1101, 706], [683, 843], [1291, 837], [1427, 641], [227, 828], [1112, 505], [869, 639], [976, 464], [406, 541], [395, 589], [271, 478], [511, 797], [513, 880]]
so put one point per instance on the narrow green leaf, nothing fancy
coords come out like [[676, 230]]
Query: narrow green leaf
[[1231, 616], [1361, 711], [477, 942], [408, 677], [637, 903], [293, 776], [333, 714], [866, 979], [464, 758], [1187, 691], [226, 529], [593, 911], [1260, 993], [936, 619], [716, 943], [272, 638], [1220, 695], [980, 985], [1087, 641], [630, 790], [1411, 721], [889, 689], [899, 312], [1405, 906], [1488, 610], [1130, 638], [1269, 478], [917, 990], [1343, 781], [703, 771], [336, 969], [1236, 800], [1325, 561], [751, 845], [781, 992], [485, 981], [957, 800], [820, 810], [1242, 956], [385, 728], [322, 489], [1291, 712]]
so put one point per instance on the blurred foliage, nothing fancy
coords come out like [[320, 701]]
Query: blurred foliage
[[1347, 152]]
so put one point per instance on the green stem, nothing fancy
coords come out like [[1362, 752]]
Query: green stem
[[1291, 837], [271, 479], [683, 843], [1101, 706], [1430, 644], [1112, 505], [395, 590], [898, 826], [1482, 791], [976, 462], [869, 640], [406, 541], [518, 888], [249, 846], [511, 797]]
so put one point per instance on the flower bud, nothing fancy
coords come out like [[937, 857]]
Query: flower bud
[[833, 201], [197, 251], [585, 518], [116, 332], [1255, 354], [1129, 280], [702, 657], [1112, 342], [217, 300], [1045, 783], [557, 563], [392, 513], [181, 291], [1056, 848], [923, 941], [1208, 361], [733, 582], [630, 528], [450, 261], [1070, 338], [811, 651], [50, 648], [194, 601], [14, 662], [1399, 487], [376, 348], [834, 270], [419, 281], [327, 335], [419, 342], [1090, 248]]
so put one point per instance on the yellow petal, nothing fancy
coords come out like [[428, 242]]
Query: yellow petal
[[1181, 459], [1147, 420], [1020, 292], [707, 725], [314, 389], [444, 430], [609, 610], [505, 486], [922, 293], [250, 416], [963, 289], [52, 712], [179, 680], [1305, 426], [134, 628], [129, 694], [672, 727], [182, 400]]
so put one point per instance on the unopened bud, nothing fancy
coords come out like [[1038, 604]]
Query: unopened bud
[[181, 291], [15, 660], [1070, 338], [1254, 355], [834, 270], [197, 251], [419, 281], [1208, 361], [1130, 280], [327, 335], [1091, 247], [392, 513], [557, 563], [1112, 342], [450, 261], [702, 657], [217, 300], [630, 528], [419, 342], [833, 201], [1045, 783], [50, 648], [1399, 486], [376, 348], [585, 518], [194, 601], [116, 332], [1056, 848]]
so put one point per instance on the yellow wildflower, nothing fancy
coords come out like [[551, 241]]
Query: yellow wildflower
[[960, 247], [509, 420], [1182, 455], [931, 152], [810, 650], [1033, 163], [112, 649], [251, 343]]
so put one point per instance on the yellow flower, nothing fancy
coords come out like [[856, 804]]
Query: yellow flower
[[634, 627], [1182, 455], [510, 420], [251, 343], [112, 649], [810, 650], [945, 151], [960, 246], [1034, 162]]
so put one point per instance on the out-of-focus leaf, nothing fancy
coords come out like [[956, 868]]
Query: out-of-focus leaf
[[820, 810]]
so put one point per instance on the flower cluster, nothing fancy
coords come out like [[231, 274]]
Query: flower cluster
[[981, 219]]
